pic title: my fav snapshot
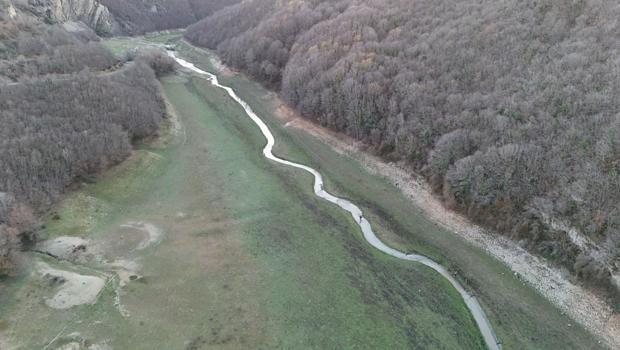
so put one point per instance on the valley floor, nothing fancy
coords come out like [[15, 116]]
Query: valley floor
[[205, 244]]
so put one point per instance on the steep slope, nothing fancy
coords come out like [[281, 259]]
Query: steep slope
[[91, 12], [111, 17], [507, 109], [137, 17]]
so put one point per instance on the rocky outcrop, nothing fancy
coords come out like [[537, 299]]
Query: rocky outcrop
[[91, 12]]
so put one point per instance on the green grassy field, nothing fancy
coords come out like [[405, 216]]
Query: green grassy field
[[521, 317], [252, 259]]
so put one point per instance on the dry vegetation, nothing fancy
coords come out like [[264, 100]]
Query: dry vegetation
[[68, 110], [508, 108]]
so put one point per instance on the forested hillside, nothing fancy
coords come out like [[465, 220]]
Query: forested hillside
[[137, 17], [509, 108], [68, 109]]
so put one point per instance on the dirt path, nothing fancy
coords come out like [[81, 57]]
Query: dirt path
[[472, 303], [589, 310]]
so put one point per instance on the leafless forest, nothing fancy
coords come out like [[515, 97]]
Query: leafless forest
[[68, 109], [509, 109]]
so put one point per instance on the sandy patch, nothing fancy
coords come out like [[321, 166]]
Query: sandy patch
[[100, 347], [591, 311], [70, 346], [4, 342], [127, 270], [75, 341], [153, 234], [74, 289], [99, 252], [66, 248], [109, 254]]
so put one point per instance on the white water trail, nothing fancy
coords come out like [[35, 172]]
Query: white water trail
[[471, 301]]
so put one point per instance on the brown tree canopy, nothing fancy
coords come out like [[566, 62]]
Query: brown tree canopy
[[509, 108]]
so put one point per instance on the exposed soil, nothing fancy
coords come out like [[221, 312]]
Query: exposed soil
[[591, 311], [152, 234], [73, 289], [108, 255], [64, 248], [74, 341]]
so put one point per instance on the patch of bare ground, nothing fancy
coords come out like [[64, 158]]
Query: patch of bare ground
[[73, 289], [222, 69], [586, 308], [110, 256], [151, 233], [4, 341], [172, 130]]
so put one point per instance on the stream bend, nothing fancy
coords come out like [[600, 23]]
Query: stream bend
[[472, 303]]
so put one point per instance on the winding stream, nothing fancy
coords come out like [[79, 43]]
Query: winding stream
[[471, 301]]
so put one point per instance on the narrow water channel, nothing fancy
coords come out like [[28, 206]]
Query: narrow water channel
[[472, 303]]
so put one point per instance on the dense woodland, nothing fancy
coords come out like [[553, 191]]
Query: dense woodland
[[509, 108], [137, 17], [68, 109], [67, 55]]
